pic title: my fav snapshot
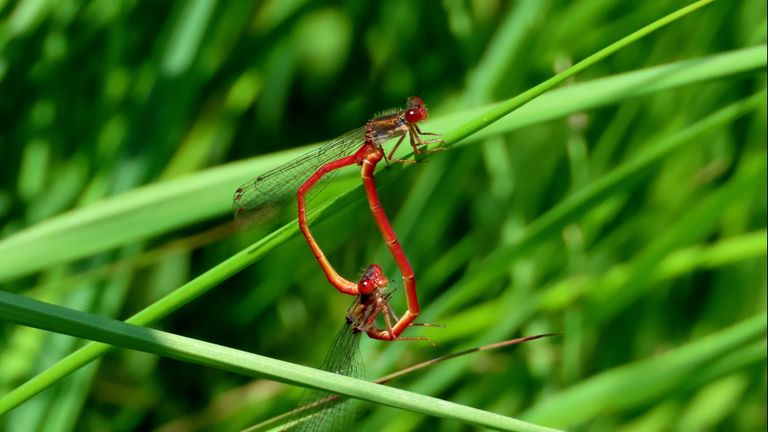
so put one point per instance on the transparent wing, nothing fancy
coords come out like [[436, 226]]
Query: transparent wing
[[323, 411], [268, 193]]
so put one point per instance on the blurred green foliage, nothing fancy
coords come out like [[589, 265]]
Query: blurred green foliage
[[652, 286]]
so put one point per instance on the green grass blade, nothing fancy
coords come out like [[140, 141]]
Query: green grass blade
[[24, 311], [581, 202], [169, 205], [644, 380], [505, 108]]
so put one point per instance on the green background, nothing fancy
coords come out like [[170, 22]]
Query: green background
[[630, 217]]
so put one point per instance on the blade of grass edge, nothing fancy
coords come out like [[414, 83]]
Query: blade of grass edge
[[25, 311], [505, 108], [551, 222], [626, 383]]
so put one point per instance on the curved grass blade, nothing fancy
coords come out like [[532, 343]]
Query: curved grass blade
[[21, 310], [324, 402]]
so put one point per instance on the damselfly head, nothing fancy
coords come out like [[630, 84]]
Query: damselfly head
[[415, 110], [373, 278]]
